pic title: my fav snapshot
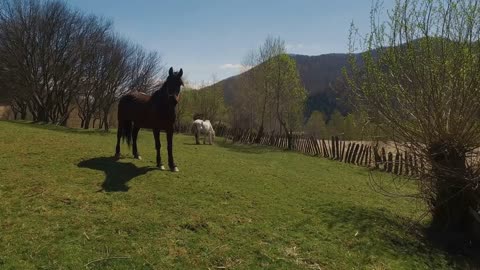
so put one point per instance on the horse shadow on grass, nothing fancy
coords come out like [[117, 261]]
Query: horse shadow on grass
[[395, 236], [117, 174]]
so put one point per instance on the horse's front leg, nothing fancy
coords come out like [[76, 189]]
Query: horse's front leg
[[171, 163], [135, 131], [117, 148], [196, 137], [156, 136]]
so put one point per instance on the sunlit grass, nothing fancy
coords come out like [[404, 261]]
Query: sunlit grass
[[65, 204]]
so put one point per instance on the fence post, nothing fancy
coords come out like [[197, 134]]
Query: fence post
[[365, 158], [360, 155], [355, 151], [402, 161], [342, 155], [397, 163], [337, 147], [347, 154], [384, 159], [334, 150], [325, 150], [370, 153], [315, 149], [390, 162], [376, 158]]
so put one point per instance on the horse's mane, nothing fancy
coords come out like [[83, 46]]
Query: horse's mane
[[162, 91]]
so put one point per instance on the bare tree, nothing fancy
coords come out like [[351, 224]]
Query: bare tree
[[117, 74], [92, 86], [145, 69], [257, 84], [43, 43]]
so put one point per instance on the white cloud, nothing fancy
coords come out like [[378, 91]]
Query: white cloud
[[198, 84], [231, 66], [294, 46], [239, 67], [193, 85]]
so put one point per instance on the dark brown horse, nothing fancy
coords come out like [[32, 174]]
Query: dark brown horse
[[157, 112]]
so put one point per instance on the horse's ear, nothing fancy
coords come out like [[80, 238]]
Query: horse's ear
[[180, 73], [170, 71]]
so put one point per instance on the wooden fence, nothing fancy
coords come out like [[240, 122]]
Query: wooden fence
[[357, 153]]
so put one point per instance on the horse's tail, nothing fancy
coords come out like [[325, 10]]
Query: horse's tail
[[126, 128]]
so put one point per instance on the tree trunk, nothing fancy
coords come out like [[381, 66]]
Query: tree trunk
[[64, 120], [23, 114], [42, 115], [260, 134], [105, 120], [452, 194], [87, 122], [290, 140]]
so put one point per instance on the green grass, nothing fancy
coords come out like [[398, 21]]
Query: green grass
[[65, 204]]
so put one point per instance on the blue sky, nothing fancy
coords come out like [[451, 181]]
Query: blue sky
[[212, 37]]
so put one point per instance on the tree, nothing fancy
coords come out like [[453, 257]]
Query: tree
[[144, 70], [287, 100], [419, 79], [316, 125], [54, 58], [350, 128], [245, 108], [336, 124], [184, 108], [257, 88], [93, 84], [42, 54]]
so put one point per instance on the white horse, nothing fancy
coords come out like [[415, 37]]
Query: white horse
[[203, 127]]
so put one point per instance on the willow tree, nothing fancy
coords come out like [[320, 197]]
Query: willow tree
[[420, 78]]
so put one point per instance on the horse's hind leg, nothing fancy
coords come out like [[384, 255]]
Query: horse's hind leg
[[135, 131], [156, 136], [117, 148]]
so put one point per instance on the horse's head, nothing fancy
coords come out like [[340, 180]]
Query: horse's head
[[173, 85]]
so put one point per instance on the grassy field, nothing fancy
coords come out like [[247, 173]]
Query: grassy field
[[65, 204]]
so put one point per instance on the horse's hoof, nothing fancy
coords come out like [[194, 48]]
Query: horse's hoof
[[162, 168], [174, 169], [138, 157]]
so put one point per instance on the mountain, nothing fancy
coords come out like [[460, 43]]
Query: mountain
[[321, 76]]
